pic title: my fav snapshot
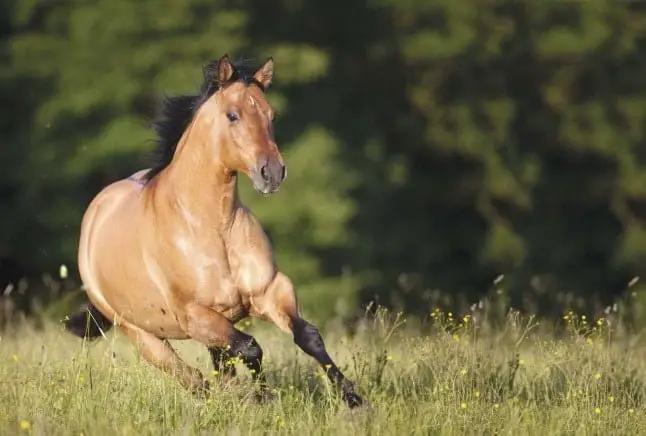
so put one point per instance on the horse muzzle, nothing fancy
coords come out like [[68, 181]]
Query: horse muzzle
[[268, 176]]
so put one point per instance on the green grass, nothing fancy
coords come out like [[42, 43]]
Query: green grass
[[450, 377]]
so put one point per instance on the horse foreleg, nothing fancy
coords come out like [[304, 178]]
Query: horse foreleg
[[214, 330], [279, 305], [159, 353]]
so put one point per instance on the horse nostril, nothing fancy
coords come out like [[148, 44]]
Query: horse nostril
[[283, 175], [264, 173]]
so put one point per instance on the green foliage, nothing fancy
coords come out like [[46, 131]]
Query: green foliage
[[430, 145], [515, 127]]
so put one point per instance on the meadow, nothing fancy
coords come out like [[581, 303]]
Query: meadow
[[446, 374]]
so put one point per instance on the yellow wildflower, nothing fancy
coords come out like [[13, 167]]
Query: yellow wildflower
[[597, 376], [463, 405], [597, 411], [25, 425]]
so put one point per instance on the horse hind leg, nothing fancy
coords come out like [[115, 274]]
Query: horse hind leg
[[159, 353], [88, 323]]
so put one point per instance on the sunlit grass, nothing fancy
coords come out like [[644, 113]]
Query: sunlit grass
[[457, 374]]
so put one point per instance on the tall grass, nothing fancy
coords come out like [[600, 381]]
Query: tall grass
[[450, 375]]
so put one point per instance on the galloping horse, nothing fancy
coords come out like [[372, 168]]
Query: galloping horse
[[171, 253]]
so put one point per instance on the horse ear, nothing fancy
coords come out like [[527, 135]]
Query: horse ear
[[265, 73], [225, 69]]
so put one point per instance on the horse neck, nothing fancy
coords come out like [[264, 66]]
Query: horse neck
[[200, 190]]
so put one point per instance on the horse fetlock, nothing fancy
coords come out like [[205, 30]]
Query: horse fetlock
[[352, 399]]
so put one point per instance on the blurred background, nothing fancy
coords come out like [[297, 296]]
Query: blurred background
[[439, 152]]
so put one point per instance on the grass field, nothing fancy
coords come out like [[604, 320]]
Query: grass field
[[453, 375]]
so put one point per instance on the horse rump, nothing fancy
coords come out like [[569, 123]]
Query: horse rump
[[88, 323]]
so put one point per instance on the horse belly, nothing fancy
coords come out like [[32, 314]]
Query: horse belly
[[141, 304]]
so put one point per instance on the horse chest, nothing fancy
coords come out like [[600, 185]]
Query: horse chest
[[251, 271], [222, 276], [249, 255]]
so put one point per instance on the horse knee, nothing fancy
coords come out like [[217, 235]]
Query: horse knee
[[308, 338]]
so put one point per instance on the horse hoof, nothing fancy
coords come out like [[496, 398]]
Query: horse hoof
[[201, 388], [352, 399], [264, 395]]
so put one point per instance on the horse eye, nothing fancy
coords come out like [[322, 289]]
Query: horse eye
[[232, 116]]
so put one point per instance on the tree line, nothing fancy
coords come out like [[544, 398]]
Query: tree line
[[432, 146]]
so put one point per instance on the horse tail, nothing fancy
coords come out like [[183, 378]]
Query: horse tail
[[88, 323]]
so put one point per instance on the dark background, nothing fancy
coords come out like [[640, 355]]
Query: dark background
[[432, 145]]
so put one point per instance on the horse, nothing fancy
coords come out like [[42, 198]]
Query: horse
[[171, 252]]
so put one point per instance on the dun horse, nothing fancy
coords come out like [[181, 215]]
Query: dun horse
[[171, 253]]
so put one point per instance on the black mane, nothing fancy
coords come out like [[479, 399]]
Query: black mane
[[177, 112]]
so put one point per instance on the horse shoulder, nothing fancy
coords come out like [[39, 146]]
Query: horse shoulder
[[250, 254]]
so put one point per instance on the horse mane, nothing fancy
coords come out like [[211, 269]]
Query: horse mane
[[177, 112]]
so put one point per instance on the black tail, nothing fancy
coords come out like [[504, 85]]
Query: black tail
[[88, 323]]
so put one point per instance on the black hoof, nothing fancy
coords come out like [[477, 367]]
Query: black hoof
[[264, 395], [352, 400], [201, 389]]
